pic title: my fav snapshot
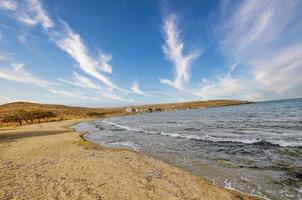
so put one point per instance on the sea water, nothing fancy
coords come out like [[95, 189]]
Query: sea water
[[253, 148]]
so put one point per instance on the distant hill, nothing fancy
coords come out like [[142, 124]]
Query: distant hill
[[13, 113], [63, 110], [194, 104]]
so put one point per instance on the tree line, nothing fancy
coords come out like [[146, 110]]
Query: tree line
[[28, 116], [96, 114]]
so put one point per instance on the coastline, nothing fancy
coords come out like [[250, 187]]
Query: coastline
[[51, 160]]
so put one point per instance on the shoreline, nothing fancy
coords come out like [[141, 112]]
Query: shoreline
[[121, 173], [82, 135]]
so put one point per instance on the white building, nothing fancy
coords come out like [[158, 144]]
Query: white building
[[130, 110]]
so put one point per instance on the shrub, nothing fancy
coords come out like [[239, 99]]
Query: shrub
[[12, 118], [28, 117], [95, 114], [38, 115]]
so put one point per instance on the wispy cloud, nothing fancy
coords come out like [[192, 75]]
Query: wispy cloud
[[136, 89], [84, 82], [256, 27], [81, 95], [104, 60], [31, 12], [245, 26], [110, 95], [37, 14], [81, 81], [173, 50], [227, 87], [18, 73], [71, 43], [281, 72], [63, 93], [262, 35], [8, 5], [28, 12]]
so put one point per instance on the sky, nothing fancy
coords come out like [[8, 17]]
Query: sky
[[122, 52]]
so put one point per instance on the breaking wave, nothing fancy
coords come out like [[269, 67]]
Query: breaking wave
[[210, 138]]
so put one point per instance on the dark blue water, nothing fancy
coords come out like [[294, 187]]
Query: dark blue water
[[254, 148]]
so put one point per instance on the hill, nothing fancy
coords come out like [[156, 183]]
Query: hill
[[192, 104], [25, 112]]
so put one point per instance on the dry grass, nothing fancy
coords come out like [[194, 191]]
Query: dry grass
[[194, 104], [63, 112]]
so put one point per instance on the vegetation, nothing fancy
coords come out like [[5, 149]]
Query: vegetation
[[96, 114], [12, 118], [20, 113], [190, 105], [28, 117]]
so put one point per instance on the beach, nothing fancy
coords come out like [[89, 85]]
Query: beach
[[52, 161]]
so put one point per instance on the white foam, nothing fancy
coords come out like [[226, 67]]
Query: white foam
[[121, 126], [125, 143], [299, 192], [229, 185], [209, 137], [283, 143]]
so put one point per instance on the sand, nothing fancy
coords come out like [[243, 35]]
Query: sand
[[51, 161]]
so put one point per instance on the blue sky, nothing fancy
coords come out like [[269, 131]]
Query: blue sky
[[111, 53]]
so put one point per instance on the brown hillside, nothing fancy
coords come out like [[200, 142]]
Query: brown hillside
[[62, 112]]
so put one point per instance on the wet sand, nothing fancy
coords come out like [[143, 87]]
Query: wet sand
[[51, 161]]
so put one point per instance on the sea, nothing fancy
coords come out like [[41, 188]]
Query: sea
[[252, 148]]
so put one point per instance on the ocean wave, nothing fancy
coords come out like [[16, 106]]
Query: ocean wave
[[192, 129], [283, 143], [233, 186], [121, 126], [255, 141], [124, 144]]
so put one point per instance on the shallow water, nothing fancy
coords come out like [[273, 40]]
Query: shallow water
[[254, 148]]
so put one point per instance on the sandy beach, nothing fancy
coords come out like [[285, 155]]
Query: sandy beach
[[51, 161]]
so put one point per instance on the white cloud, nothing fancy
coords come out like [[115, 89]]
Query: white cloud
[[254, 27], [136, 89], [104, 60], [227, 87], [81, 81], [28, 12], [70, 94], [110, 95], [173, 50], [234, 66], [266, 37], [63, 93], [8, 5], [32, 13], [18, 73], [246, 26], [73, 45], [281, 72], [84, 82], [39, 14], [85, 96]]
